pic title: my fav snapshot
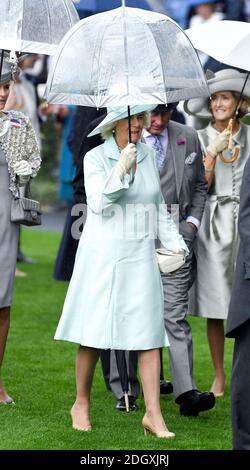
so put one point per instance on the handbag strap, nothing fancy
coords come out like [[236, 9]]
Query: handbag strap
[[27, 189]]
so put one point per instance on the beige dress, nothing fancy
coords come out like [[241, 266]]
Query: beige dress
[[217, 240]]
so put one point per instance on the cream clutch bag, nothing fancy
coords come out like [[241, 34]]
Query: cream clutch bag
[[169, 261]]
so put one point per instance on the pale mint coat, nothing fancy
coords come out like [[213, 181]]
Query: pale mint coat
[[115, 297]]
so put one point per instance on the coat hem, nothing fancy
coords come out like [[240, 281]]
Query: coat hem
[[113, 346]]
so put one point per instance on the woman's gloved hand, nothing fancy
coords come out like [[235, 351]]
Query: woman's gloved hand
[[23, 170], [219, 143], [126, 161]]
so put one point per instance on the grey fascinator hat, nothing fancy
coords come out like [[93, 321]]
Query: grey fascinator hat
[[224, 80], [10, 69]]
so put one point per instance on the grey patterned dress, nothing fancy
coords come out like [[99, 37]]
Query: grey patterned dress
[[8, 237], [17, 142]]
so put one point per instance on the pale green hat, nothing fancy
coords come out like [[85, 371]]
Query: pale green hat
[[115, 114]]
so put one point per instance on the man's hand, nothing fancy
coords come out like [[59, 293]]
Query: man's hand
[[193, 226]]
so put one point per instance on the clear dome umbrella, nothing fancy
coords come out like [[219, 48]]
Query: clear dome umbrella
[[35, 26], [124, 57]]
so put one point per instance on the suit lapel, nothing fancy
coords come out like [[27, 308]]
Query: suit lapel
[[177, 152]]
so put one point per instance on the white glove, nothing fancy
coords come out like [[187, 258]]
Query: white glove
[[126, 161], [219, 143], [23, 170]]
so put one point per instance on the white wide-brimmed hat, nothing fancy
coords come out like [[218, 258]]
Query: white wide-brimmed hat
[[115, 114], [224, 80]]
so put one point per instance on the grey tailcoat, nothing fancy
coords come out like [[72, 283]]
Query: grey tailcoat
[[190, 184], [182, 182], [238, 325], [239, 309]]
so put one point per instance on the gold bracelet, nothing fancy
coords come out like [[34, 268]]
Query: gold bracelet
[[209, 170]]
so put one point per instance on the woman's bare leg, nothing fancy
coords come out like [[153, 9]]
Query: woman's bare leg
[[4, 329], [149, 366], [216, 340], [86, 360]]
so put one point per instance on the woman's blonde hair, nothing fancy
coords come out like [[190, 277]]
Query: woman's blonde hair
[[110, 128]]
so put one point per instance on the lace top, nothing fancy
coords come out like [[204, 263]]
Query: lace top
[[18, 142]]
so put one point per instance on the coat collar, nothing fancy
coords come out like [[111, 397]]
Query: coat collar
[[111, 150]]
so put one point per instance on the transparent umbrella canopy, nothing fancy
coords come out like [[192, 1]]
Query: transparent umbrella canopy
[[229, 43], [125, 57], [226, 41], [35, 26], [97, 6]]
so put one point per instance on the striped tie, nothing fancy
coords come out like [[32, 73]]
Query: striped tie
[[160, 157]]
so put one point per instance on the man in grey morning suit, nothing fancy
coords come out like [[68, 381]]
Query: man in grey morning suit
[[238, 324], [179, 160]]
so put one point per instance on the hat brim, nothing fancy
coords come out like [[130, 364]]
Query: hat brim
[[5, 78], [199, 106], [118, 114]]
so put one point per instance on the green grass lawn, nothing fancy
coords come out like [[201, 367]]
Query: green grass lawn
[[39, 374]]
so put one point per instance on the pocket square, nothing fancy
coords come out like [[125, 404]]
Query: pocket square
[[190, 158]]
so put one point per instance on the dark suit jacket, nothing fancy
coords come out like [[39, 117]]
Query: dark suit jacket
[[239, 308], [190, 181], [68, 246], [87, 143]]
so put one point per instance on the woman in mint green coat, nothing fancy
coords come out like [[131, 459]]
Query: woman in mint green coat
[[115, 296]]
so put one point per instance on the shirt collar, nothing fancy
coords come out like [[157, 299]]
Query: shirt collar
[[146, 134]]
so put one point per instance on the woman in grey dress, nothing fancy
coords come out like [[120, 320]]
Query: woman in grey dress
[[19, 159], [218, 240]]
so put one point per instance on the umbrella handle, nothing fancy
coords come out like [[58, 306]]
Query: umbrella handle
[[230, 158], [230, 128], [126, 401], [1, 63], [129, 141], [129, 126]]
